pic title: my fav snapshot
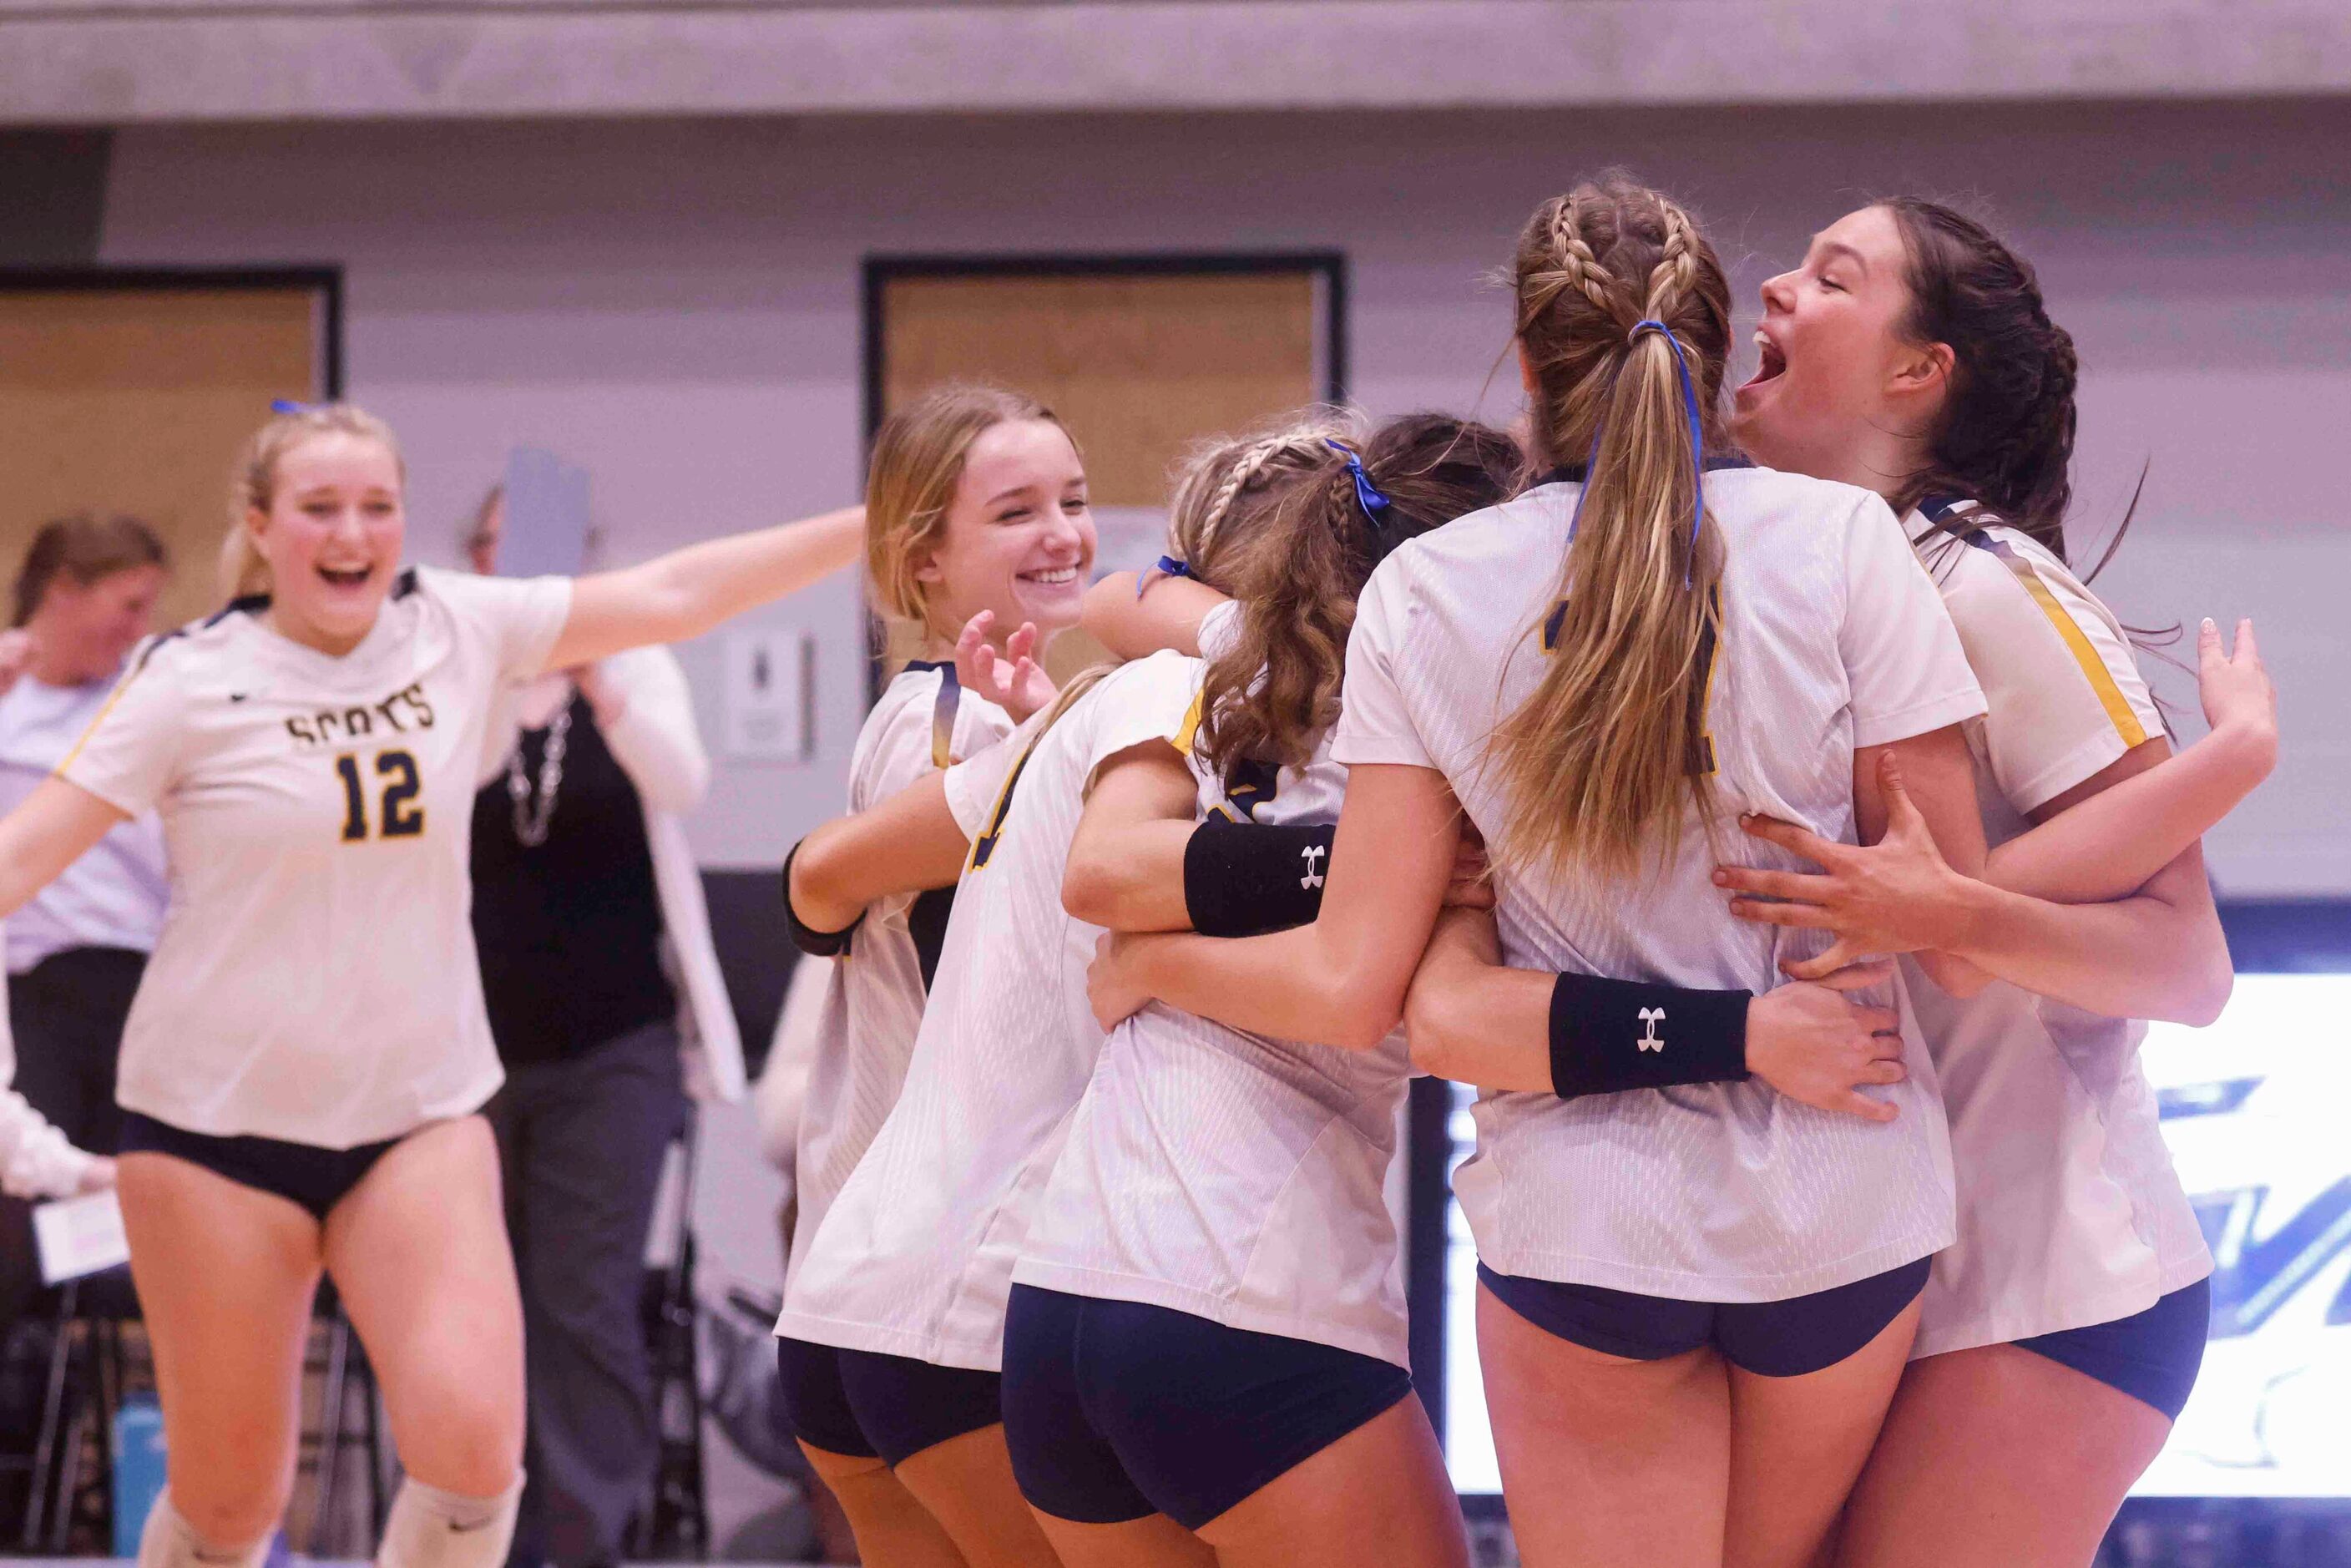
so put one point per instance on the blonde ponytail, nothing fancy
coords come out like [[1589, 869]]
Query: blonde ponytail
[[1601, 759]]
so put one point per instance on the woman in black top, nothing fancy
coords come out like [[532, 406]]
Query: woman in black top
[[569, 920]]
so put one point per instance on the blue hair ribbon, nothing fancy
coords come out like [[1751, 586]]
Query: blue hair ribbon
[[1367, 494], [1166, 566], [288, 405], [1696, 430]]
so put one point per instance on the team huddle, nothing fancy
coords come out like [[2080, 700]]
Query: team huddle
[[1542, 762], [1738, 788]]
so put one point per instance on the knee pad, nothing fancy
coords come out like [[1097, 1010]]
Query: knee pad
[[430, 1528], [169, 1541]]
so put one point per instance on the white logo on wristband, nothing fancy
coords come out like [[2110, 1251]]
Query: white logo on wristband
[[1313, 855], [1650, 1019]]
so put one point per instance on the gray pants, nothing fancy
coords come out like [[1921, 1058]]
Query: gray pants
[[582, 1143]]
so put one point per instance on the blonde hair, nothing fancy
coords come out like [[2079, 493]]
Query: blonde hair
[[918, 461], [253, 485], [1599, 761]]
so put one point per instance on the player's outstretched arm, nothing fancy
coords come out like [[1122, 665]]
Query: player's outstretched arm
[[55, 826], [1133, 618], [681, 595]]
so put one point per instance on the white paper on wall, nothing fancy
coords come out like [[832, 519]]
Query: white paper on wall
[[769, 681]]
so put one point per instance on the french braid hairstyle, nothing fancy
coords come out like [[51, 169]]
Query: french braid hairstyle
[[1304, 559], [1604, 759], [2004, 438]]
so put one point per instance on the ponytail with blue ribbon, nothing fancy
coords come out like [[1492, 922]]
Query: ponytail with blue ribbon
[[1697, 443]]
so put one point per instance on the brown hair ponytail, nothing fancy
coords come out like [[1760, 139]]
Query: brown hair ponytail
[[1301, 564], [1601, 759]]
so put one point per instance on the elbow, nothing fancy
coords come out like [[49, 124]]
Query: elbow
[[1098, 613], [2207, 997], [1094, 892], [1431, 1029], [1361, 1016]]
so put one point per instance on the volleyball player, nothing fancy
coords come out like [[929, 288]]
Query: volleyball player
[[308, 1048], [1208, 1322], [1694, 1307], [975, 504], [1912, 352]]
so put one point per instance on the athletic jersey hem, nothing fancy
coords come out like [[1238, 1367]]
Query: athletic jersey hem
[[1919, 718], [2009, 1328], [130, 1096], [1675, 1284], [879, 1341], [1097, 1284]]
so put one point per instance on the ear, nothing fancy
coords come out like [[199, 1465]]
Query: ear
[[1921, 371], [928, 570]]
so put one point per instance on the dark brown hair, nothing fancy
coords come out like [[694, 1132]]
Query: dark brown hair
[[85, 548], [2005, 436], [1599, 760], [1297, 568]]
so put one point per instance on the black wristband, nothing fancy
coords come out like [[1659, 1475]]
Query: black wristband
[[1242, 878], [1610, 1035], [807, 938]]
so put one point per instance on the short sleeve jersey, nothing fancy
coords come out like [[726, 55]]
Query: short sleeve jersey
[[315, 980], [1833, 638], [2070, 1212], [1232, 1175], [915, 1257], [874, 995]]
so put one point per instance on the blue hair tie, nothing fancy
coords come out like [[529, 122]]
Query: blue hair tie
[[1166, 566], [1367, 494], [288, 405], [1697, 435]]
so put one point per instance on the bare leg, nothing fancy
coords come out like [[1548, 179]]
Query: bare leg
[[1996, 1455], [227, 1275], [1380, 1494], [967, 1484], [892, 1529], [1607, 1462], [419, 1251], [1797, 1443]]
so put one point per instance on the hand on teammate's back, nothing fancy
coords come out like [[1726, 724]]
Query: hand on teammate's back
[[1813, 1042]]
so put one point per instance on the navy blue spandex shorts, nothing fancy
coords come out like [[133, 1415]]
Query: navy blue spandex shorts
[[902, 1407], [816, 1406], [1771, 1339], [2153, 1355], [1117, 1410], [303, 1174]]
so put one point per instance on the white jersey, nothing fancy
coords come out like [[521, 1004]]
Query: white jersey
[[1233, 1176], [315, 979], [112, 897], [1833, 638], [915, 1257], [873, 997], [2070, 1212]]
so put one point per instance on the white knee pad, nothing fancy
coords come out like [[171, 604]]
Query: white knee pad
[[430, 1528], [169, 1541]]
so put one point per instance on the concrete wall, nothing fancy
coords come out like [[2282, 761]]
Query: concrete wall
[[115, 61], [676, 304]]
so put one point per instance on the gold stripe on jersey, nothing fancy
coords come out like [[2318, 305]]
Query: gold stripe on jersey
[[2094, 668], [983, 845], [1188, 733]]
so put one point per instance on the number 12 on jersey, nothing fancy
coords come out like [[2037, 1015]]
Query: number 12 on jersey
[[400, 815]]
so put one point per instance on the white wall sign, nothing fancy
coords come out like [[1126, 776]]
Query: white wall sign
[[770, 677]]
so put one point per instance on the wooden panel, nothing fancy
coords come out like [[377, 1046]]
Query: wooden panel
[[137, 399], [1139, 366]]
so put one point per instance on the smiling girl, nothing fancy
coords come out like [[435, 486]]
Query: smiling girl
[[1911, 354], [308, 1048], [977, 505]]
